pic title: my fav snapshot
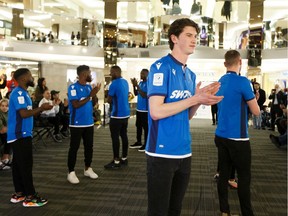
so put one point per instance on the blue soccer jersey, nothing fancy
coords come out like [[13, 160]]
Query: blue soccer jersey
[[81, 116], [170, 137], [19, 127], [119, 91], [142, 102], [233, 109]]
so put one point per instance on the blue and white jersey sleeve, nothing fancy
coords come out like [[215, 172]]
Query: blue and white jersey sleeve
[[81, 116], [157, 80], [247, 90], [19, 127]]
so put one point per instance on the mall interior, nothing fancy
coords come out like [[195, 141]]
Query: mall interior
[[53, 37]]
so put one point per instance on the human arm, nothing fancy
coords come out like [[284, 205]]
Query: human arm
[[3, 81], [78, 103], [25, 113], [135, 84], [205, 95], [253, 106]]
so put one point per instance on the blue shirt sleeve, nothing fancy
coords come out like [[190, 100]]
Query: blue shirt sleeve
[[112, 88], [158, 80], [247, 90], [72, 93], [19, 101]]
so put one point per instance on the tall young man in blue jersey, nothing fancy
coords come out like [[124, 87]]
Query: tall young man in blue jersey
[[19, 135], [173, 100], [231, 136], [118, 98], [82, 98], [142, 109]]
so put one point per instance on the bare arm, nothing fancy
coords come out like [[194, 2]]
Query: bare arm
[[24, 113], [159, 109], [253, 106], [78, 103]]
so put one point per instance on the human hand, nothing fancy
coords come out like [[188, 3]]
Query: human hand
[[46, 106], [95, 90], [206, 95], [134, 81], [57, 101]]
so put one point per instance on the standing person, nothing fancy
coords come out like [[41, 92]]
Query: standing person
[[72, 38], [82, 98], [19, 135], [11, 84], [277, 98], [118, 98], [231, 135], [173, 99], [142, 109], [214, 113], [260, 95]]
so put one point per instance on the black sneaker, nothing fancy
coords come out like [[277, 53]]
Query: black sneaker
[[34, 201], [112, 165], [142, 148], [124, 162], [135, 145]]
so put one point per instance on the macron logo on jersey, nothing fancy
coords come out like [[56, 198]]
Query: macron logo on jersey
[[158, 65], [174, 71], [20, 92], [180, 94]]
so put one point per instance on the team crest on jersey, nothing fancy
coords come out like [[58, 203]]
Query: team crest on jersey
[[158, 65], [174, 71], [20, 92], [158, 79], [81, 89]]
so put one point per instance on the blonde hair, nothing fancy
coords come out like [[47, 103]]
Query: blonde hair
[[3, 101]]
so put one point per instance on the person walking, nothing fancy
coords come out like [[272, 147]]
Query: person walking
[[231, 135], [173, 99], [142, 110], [118, 98], [19, 135], [82, 98]]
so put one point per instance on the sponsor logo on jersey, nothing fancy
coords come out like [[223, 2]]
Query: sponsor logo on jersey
[[180, 94]]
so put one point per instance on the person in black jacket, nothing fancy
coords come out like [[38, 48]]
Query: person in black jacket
[[260, 95], [277, 97]]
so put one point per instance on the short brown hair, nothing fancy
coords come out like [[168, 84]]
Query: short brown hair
[[231, 57]]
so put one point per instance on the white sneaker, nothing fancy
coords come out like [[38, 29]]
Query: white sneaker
[[90, 173], [72, 178]]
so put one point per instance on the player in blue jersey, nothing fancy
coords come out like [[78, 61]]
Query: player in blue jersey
[[19, 135], [142, 109], [173, 100], [118, 98], [231, 136], [82, 98]]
